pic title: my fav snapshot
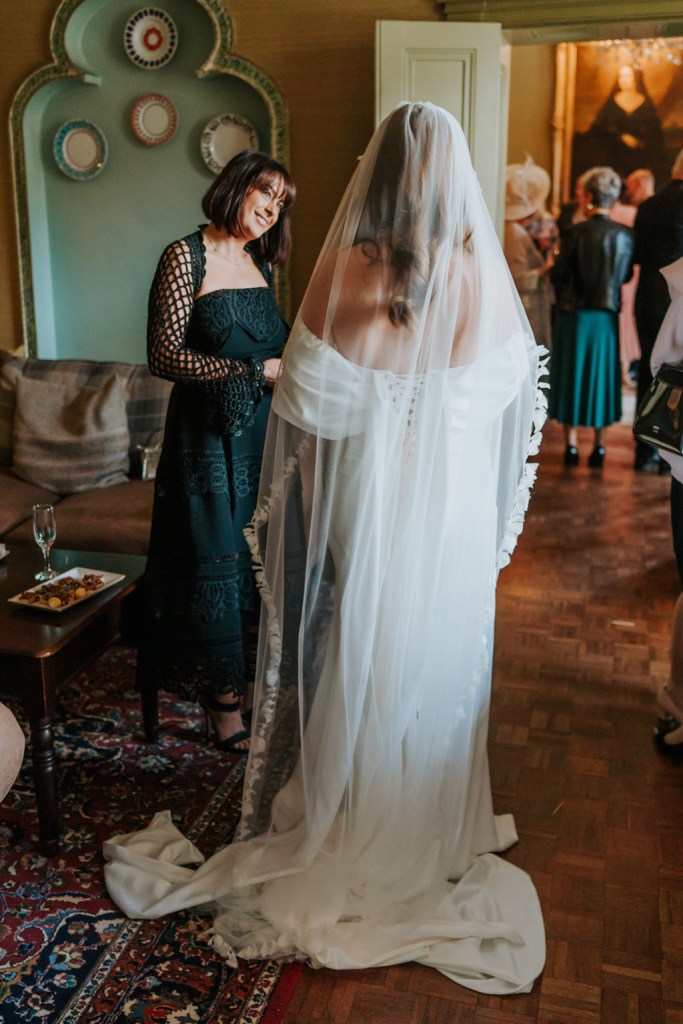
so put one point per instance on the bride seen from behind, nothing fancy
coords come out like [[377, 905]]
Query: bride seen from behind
[[393, 489]]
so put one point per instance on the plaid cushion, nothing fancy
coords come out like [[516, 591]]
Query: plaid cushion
[[145, 406], [70, 439], [147, 401], [9, 366]]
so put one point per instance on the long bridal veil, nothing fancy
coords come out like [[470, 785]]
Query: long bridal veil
[[394, 486]]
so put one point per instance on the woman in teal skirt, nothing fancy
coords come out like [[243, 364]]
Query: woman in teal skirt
[[585, 373]]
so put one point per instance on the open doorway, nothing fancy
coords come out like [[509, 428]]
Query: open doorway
[[614, 102], [559, 92]]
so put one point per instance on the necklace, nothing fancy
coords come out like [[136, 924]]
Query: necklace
[[235, 263]]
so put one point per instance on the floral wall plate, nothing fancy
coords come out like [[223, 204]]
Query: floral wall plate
[[224, 137], [80, 149], [154, 119], [150, 38]]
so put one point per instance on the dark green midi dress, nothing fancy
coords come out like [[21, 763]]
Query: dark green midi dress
[[200, 594]]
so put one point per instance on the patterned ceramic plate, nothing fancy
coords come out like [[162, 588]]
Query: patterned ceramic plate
[[154, 119], [80, 149], [150, 38], [224, 137]]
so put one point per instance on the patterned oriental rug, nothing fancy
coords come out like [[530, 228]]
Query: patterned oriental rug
[[67, 954]]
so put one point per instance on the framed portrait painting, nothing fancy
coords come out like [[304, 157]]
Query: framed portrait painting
[[618, 105]]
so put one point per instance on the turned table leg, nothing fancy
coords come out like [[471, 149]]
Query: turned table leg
[[45, 779]]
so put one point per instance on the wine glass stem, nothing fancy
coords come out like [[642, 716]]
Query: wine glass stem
[[46, 558]]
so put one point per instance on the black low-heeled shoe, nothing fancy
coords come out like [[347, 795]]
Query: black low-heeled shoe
[[229, 744], [668, 735], [571, 455], [596, 457], [671, 749]]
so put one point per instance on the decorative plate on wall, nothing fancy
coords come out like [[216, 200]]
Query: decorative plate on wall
[[150, 38], [80, 149], [154, 119], [224, 137]]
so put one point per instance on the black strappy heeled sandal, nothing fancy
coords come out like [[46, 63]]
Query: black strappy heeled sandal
[[668, 735], [229, 744]]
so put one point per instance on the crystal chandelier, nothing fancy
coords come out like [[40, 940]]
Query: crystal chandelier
[[639, 52]]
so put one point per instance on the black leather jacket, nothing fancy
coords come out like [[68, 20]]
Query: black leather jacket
[[596, 258]]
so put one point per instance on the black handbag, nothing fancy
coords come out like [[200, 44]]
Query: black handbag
[[659, 417]]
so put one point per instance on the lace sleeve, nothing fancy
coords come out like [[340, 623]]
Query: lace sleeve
[[170, 306]]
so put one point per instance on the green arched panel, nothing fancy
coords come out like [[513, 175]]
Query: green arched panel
[[88, 248]]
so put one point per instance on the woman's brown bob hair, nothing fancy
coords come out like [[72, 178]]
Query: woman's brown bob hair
[[223, 201]]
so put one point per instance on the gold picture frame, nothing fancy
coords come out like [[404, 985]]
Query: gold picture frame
[[591, 128]]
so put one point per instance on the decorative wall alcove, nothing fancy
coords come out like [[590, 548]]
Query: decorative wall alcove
[[88, 242]]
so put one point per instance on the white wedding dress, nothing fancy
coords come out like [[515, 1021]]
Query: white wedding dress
[[391, 496]]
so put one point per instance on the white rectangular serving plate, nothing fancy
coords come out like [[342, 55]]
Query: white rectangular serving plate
[[78, 572]]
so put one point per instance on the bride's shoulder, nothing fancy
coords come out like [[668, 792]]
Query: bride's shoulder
[[344, 269]]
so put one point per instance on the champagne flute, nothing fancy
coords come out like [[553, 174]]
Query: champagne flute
[[45, 532]]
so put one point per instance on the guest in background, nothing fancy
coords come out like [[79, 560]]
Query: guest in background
[[215, 330], [622, 212], [629, 349], [526, 190], [640, 185], [669, 349], [585, 376], [658, 233], [542, 229], [573, 212]]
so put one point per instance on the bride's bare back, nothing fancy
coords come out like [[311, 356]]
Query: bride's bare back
[[362, 330]]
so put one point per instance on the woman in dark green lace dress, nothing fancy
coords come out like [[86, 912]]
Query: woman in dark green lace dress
[[215, 330]]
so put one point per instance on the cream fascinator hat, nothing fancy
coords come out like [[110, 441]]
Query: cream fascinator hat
[[526, 189]]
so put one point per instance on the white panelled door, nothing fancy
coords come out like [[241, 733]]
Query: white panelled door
[[463, 67]]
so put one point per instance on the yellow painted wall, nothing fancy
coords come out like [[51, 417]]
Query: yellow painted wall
[[320, 54], [24, 47], [532, 94]]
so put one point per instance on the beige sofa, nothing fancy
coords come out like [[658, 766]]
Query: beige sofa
[[73, 433]]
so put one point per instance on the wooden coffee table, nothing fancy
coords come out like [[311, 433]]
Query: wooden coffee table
[[39, 650]]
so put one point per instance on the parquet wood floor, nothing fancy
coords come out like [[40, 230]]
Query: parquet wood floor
[[582, 644]]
